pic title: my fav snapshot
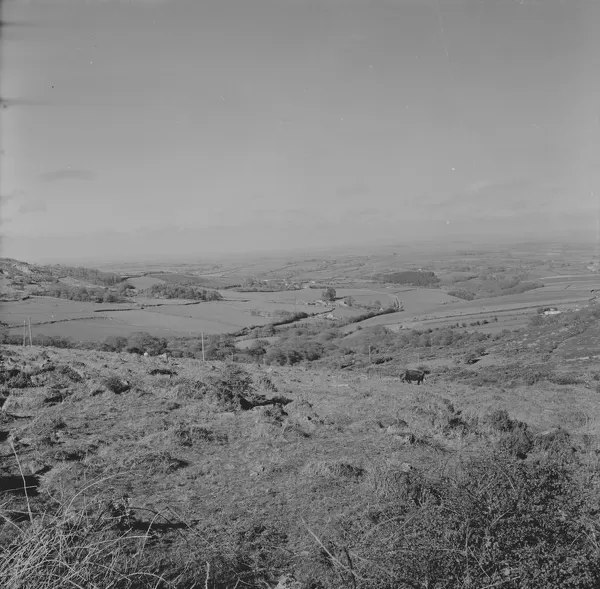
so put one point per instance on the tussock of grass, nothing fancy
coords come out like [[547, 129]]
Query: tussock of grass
[[384, 478], [116, 385], [331, 469], [187, 388], [151, 461], [74, 543], [191, 434]]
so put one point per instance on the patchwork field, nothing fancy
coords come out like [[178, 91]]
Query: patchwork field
[[513, 311], [567, 284], [96, 329], [94, 322], [47, 309], [423, 308]]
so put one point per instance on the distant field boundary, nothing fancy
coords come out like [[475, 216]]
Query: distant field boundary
[[20, 325], [491, 312]]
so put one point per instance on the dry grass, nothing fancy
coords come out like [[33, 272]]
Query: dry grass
[[243, 481], [82, 542]]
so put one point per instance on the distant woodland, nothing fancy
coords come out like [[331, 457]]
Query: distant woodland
[[182, 291]]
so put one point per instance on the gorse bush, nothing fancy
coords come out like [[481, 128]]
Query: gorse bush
[[497, 521], [230, 382], [116, 385], [500, 421]]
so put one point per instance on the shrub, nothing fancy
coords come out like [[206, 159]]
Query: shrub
[[312, 350], [499, 420], [536, 320], [565, 378], [114, 343], [228, 385], [16, 379], [141, 342], [294, 356], [186, 388], [462, 294], [496, 521], [276, 355], [517, 442], [329, 294], [116, 385], [556, 441]]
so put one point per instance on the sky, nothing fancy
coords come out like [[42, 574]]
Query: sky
[[188, 127]]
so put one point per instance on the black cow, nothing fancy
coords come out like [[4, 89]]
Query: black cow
[[411, 375]]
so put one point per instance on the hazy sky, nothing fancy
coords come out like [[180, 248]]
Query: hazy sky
[[187, 126]]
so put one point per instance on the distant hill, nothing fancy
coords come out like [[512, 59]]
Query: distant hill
[[22, 278], [33, 273]]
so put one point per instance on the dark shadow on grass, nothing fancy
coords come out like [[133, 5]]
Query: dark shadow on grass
[[20, 485]]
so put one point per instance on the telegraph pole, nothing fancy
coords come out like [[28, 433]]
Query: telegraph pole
[[30, 342], [203, 358]]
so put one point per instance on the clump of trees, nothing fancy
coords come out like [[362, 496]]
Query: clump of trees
[[252, 284], [520, 287], [294, 351], [182, 291], [462, 294], [412, 278], [87, 274], [81, 293], [137, 343], [285, 317]]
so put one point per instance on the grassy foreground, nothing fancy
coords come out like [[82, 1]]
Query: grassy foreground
[[130, 472]]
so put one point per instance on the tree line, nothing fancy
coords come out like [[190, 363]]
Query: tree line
[[182, 291], [88, 274], [81, 293], [411, 278]]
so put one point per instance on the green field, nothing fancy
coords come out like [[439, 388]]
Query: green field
[[47, 309]]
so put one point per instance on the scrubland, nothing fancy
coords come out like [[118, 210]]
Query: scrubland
[[127, 471], [287, 453]]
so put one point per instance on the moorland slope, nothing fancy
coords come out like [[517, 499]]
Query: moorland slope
[[120, 470]]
